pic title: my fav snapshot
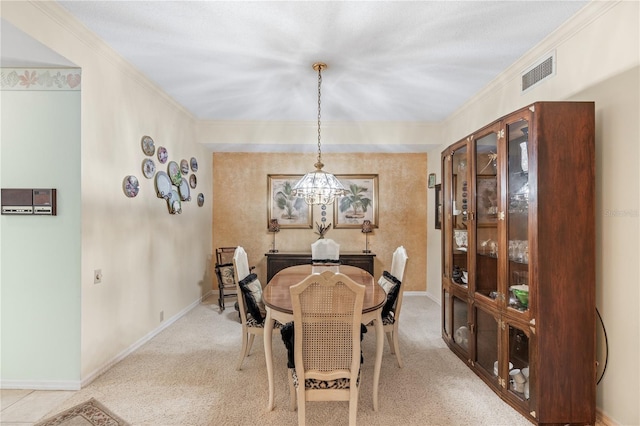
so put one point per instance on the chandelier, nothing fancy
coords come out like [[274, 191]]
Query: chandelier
[[318, 186]]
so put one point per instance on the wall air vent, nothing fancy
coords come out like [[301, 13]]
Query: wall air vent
[[538, 72]]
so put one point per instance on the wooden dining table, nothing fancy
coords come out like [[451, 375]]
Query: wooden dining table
[[277, 300]]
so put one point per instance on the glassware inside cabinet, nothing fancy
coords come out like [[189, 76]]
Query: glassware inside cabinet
[[518, 219], [460, 212], [461, 334], [487, 332], [486, 208], [519, 363]]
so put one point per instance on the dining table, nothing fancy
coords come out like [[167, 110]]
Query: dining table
[[277, 300]]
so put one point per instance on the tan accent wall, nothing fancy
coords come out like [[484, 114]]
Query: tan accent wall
[[239, 202]]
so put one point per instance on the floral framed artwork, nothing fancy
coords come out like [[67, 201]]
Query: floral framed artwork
[[360, 202], [487, 200], [290, 211]]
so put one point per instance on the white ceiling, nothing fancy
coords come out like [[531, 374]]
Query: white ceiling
[[388, 61]]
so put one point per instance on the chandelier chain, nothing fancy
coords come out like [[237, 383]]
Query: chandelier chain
[[319, 110], [319, 187]]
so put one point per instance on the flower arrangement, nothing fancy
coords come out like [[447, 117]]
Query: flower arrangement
[[322, 229]]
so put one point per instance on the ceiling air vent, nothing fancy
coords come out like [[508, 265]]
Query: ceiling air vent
[[538, 72]]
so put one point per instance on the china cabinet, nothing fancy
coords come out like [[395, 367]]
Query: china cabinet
[[518, 282]]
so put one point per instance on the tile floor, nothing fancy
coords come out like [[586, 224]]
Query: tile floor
[[26, 407]]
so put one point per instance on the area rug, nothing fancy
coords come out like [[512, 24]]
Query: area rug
[[89, 413]]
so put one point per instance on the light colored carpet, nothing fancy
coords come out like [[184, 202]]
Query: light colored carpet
[[89, 413], [186, 376]]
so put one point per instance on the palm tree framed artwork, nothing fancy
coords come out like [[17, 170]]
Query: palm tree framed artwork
[[290, 211], [360, 202]]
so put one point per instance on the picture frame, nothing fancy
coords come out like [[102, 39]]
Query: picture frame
[[438, 206], [487, 200], [360, 203], [290, 211], [432, 180]]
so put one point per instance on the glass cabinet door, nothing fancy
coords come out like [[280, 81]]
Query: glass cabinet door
[[486, 215], [446, 312], [487, 333], [461, 333], [459, 211], [519, 377], [518, 217]]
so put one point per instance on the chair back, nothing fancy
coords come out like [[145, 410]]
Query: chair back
[[240, 263], [327, 312], [398, 266], [224, 271], [399, 262], [241, 271], [325, 249], [224, 255]]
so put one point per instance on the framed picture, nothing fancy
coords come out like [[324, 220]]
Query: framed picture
[[290, 211], [438, 205], [487, 200], [432, 180], [359, 204]]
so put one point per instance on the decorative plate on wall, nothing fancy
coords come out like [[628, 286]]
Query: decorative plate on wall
[[174, 173], [148, 168], [174, 204], [185, 192], [194, 164], [184, 167], [148, 146], [193, 181], [200, 199], [130, 186], [163, 155], [163, 185]]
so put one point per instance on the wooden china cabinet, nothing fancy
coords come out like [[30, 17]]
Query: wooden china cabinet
[[519, 214]]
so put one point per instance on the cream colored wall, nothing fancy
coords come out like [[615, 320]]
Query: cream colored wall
[[285, 136], [240, 207], [598, 57], [618, 245], [151, 261], [434, 236]]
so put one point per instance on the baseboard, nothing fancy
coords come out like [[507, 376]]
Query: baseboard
[[91, 377], [67, 385], [415, 293]]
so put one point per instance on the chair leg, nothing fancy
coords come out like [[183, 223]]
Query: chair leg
[[221, 298], [243, 351], [396, 346], [301, 404], [292, 392], [390, 340], [251, 337], [353, 405]]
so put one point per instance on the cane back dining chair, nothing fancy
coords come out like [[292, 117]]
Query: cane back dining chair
[[327, 312], [250, 305], [392, 284]]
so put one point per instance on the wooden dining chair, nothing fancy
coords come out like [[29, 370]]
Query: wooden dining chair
[[225, 275], [392, 284], [250, 305], [327, 312]]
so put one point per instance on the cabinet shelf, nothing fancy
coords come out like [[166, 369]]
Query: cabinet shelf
[[512, 179]]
